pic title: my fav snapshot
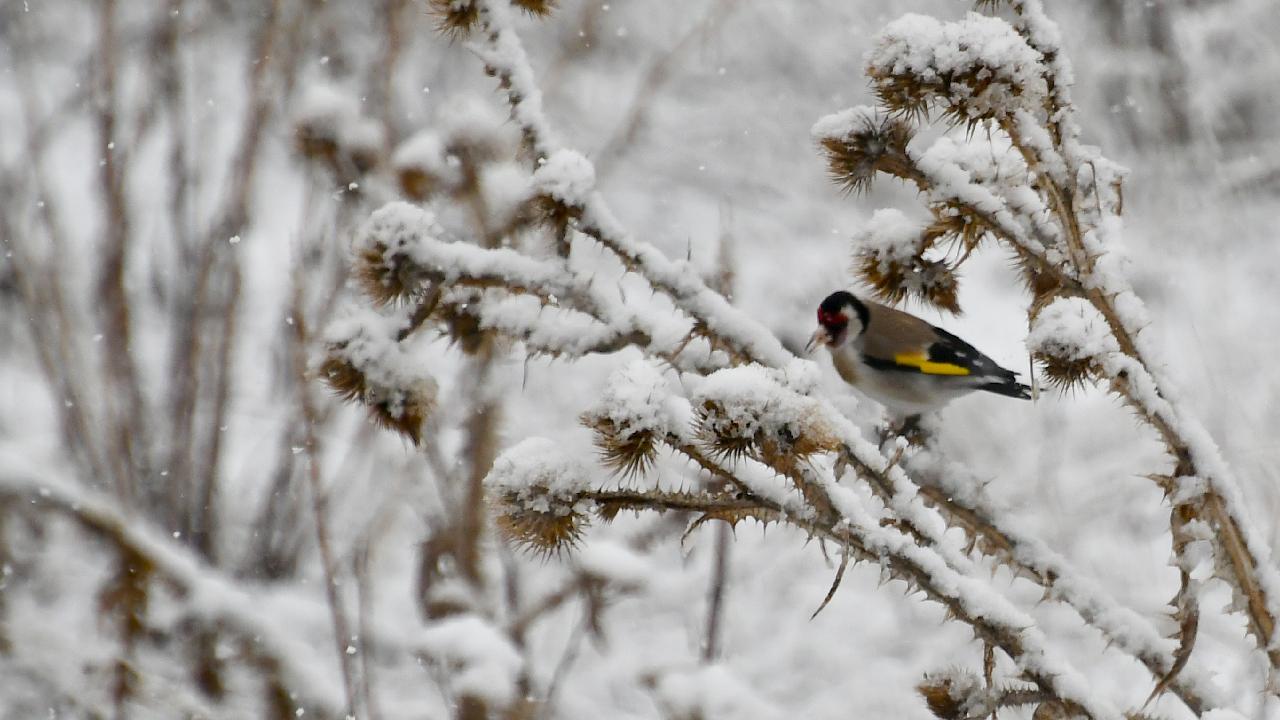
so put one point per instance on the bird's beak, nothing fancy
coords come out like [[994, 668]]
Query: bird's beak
[[819, 337]]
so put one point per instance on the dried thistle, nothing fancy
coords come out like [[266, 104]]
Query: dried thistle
[[385, 274], [626, 451], [919, 63], [1068, 337], [343, 378], [536, 8], [778, 439], [416, 183], [338, 138], [542, 528], [795, 440], [537, 491], [316, 142], [404, 408], [860, 142], [728, 437], [956, 222], [1066, 375], [932, 282], [461, 324], [454, 18], [554, 214], [951, 695]]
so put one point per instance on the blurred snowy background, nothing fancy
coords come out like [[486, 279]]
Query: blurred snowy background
[[175, 231]]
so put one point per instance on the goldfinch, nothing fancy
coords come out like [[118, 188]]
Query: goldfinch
[[903, 362]]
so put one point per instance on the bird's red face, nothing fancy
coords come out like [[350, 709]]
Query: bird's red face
[[836, 314], [835, 323], [833, 328]]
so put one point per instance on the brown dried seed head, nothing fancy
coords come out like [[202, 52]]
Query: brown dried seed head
[[455, 18], [404, 410], [343, 378], [557, 528], [955, 223], [386, 276], [537, 8], [729, 438], [902, 94], [462, 326], [936, 692], [416, 183], [629, 454], [877, 144], [932, 282]]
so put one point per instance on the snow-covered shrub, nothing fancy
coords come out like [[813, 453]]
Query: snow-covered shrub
[[732, 402], [193, 528], [1056, 208]]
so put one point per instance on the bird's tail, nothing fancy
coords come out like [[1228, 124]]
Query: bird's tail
[[1012, 388]]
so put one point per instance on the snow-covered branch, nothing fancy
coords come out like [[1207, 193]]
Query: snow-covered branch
[[1059, 212], [746, 414]]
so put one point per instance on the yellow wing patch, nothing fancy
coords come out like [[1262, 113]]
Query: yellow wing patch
[[927, 366]]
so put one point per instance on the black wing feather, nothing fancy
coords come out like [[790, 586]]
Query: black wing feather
[[951, 349]]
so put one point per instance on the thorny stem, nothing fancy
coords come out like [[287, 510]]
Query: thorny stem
[[890, 549], [1245, 565], [649, 264]]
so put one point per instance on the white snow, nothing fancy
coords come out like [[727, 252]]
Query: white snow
[[840, 125], [891, 236], [978, 47], [637, 399], [1072, 329], [615, 564], [566, 176], [480, 660], [535, 468]]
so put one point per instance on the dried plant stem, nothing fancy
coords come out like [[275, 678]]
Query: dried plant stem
[[117, 326], [319, 505], [223, 603], [716, 593]]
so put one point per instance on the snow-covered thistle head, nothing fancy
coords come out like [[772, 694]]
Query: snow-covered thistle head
[[331, 131], [953, 694], [455, 19], [383, 266], [976, 69], [364, 363], [861, 141], [535, 488], [748, 412], [422, 167], [1068, 338], [889, 256], [634, 416]]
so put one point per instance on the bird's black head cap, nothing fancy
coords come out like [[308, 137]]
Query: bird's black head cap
[[835, 310]]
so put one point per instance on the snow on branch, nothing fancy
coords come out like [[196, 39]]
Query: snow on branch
[[743, 411], [366, 363], [975, 69], [1058, 212], [208, 598]]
